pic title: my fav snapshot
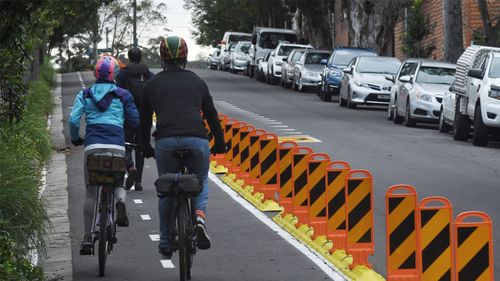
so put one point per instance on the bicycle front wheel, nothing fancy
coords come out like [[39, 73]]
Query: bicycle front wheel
[[103, 232], [185, 227]]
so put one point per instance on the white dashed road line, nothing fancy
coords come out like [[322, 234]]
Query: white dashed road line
[[167, 264], [154, 237], [145, 217], [138, 201]]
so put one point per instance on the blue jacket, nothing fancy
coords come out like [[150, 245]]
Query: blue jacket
[[106, 107]]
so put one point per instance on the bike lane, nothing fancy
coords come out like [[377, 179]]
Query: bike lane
[[243, 247]]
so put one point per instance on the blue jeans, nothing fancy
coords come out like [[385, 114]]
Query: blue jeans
[[197, 164]]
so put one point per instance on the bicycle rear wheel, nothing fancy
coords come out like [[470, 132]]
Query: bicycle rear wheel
[[103, 232], [185, 226]]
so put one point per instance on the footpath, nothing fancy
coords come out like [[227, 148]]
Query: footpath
[[57, 260]]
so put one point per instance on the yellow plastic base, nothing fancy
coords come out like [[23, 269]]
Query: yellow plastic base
[[217, 169]]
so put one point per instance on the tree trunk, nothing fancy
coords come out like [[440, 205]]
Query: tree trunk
[[313, 24], [372, 23], [490, 31], [453, 38]]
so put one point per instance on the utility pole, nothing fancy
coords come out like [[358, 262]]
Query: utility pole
[[134, 5], [107, 32]]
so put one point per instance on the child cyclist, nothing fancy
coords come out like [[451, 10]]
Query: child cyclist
[[106, 107]]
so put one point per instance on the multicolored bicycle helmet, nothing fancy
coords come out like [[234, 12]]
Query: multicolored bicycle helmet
[[106, 68], [173, 48]]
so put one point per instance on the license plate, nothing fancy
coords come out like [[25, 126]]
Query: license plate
[[384, 97]]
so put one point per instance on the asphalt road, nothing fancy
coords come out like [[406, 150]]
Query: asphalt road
[[244, 248]]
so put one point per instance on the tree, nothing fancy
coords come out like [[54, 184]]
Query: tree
[[419, 28], [491, 24], [372, 22], [453, 35]]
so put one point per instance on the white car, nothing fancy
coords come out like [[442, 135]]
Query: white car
[[419, 96], [364, 81], [307, 72], [261, 70], [276, 60], [447, 112], [407, 68], [239, 57]]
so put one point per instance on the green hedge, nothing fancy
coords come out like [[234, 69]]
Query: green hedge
[[26, 148]]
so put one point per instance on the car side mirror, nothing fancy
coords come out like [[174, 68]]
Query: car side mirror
[[390, 78], [272, 54], [210, 55], [284, 59], [323, 61], [475, 73], [406, 79], [347, 70]]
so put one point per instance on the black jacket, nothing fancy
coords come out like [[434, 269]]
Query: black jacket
[[178, 97]]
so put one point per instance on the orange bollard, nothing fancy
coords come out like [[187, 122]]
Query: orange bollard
[[254, 163], [316, 192], [299, 177], [235, 147], [268, 157], [244, 156], [219, 158], [285, 175], [228, 137], [401, 214], [336, 173], [359, 213], [435, 234]]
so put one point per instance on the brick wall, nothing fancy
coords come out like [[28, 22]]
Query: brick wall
[[471, 17]]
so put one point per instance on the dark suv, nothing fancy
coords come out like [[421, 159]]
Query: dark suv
[[332, 73]]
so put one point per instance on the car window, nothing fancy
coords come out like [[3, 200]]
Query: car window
[[285, 50], [343, 57], [296, 56], [237, 38], [270, 40], [244, 48], [408, 69], [381, 65], [495, 68], [315, 58], [435, 75]]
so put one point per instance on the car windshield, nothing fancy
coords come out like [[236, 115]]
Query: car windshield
[[286, 50], [270, 40], [237, 38], [315, 58], [343, 57], [495, 68], [435, 75], [244, 48], [296, 56], [379, 65]]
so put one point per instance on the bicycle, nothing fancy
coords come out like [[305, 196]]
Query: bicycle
[[183, 187], [106, 170]]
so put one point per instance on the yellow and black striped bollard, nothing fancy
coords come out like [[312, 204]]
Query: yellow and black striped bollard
[[336, 174]]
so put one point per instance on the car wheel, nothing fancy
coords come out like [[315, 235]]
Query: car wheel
[[300, 87], [294, 84], [461, 125], [342, 101], [327, 96], [350, 104], [480, 137], [251, 72], [408, 121], [443, 126], [397, 119], [390, 113]]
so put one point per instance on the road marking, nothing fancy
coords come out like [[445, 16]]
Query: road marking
[[81, 79], [296, 133], [273, 123], [167, 264], [138, 201], [154, 237], [285, 129], [297, 138], [145, 217], [322, 263], [279, 126]]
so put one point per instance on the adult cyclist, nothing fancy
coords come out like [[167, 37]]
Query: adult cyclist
[[179, 97], [105, 107]]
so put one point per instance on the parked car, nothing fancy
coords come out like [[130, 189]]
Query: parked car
[[407, 68], [261, 72], [228, 38], [447, 112], [332, 72], [225, 57], [419, 96], [364, 81], [477, 93], [264, 40], [288, 67], [239, 57], [307, 73], [213, 61], [276, 59]]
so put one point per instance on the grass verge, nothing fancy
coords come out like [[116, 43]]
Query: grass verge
[[26, 149]]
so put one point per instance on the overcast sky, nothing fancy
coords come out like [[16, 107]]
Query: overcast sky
[[179, 21]]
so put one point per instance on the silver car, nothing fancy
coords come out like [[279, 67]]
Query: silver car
[[308, 69], [213, 61], [288, 67], [239, 56], [261, 71], [419, 96], [364, 81]]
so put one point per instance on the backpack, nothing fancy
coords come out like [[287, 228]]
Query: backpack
[[137, 76]]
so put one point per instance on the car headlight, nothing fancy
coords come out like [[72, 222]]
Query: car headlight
[[240, 57], [494, 93], [359, 84], [277, 62], [335, 73], [423, 97]]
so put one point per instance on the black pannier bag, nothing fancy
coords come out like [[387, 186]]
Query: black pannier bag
[[170, 184]]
